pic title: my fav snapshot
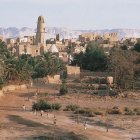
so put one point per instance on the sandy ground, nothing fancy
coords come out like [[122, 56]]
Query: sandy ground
[[18, 124]]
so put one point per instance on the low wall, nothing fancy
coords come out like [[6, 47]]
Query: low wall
[[1, 93], [13, 87], [53, 79], [73, 71]]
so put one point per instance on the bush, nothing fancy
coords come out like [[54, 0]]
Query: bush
[[90, 114], [82, 111], [114, 110], [98, 113], [43, 105], [128, 111], [137, 47], [137, 111], [56, 106], [63, 88], [71, 107], [87, 112], [35, 106]]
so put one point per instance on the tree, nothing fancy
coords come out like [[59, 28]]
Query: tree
[[11, 70], [53, 64], [137, 47], [24, 67], [25, 73], [63, 88], [39, 67], [2, 76], [93, 59], [123, 64]]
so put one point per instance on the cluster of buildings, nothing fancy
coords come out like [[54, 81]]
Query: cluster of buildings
[[65, 48]]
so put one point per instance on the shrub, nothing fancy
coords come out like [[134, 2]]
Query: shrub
[[56, 106], [63, 88], [114, 110], [71, 107], [90, 114], [98, 113], [137, 111], [87, 112], [82, 111], [35, 106], [43, 105], [128, 111]]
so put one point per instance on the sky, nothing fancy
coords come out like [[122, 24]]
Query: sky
[[74, 14]]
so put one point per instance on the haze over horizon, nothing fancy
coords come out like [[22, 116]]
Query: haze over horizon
[[74, 14]]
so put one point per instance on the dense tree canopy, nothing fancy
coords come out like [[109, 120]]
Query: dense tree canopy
[[137, 47], [93, 59], [124, 65], [24, 67]]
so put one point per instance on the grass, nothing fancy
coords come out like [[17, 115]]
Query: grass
[[71, 107]]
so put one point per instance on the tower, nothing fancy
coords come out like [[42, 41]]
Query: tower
[[41, 31]]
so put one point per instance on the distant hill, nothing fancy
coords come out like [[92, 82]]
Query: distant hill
[[65, 32]]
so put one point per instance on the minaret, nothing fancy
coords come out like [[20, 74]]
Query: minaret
[[41, 31]]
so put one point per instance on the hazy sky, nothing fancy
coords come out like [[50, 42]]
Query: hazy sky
[[75, 14]]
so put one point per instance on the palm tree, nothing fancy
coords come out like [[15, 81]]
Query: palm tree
[[10, 70], [2, 69], [25, 70], [53, 63]]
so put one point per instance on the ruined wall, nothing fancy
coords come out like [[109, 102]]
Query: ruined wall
[[12, 88], [73, 71], [53, 79]]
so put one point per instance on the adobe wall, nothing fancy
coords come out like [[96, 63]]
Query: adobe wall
[[73, 71], [12, 88], [46, 80], [53, 79]]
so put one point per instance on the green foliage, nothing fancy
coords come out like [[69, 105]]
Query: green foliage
[[86, 112], [24, 67], [43, 105], [98, 113], [122, 63], [71, 107], [124, 47], [35, 106], [128, 111], [63, 88], [91, 114], [39, 67], [93, 59], [4, 53], [114, 110], [137, 47], [56, 106], [137, 111]]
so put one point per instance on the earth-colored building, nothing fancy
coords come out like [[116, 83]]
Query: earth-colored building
[[34, 45]]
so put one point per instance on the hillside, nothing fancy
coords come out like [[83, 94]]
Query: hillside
[[65, 32]]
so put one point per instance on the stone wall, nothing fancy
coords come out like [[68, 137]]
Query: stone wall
[[53, 79], [1, 93], [12, 88], [73, 72]]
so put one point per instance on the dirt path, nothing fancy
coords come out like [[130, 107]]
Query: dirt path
[[15, 123]]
